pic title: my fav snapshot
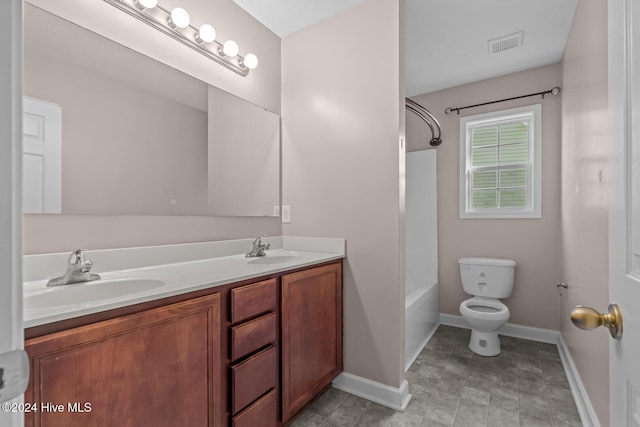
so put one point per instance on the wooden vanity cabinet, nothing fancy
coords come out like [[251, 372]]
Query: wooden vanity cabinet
[[311, 311], [247, 354], [154, 368], [254, 354]]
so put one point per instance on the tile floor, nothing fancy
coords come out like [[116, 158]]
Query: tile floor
[[523, 386]]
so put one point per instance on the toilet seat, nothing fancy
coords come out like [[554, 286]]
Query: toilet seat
[[485, 308], [484, 314]]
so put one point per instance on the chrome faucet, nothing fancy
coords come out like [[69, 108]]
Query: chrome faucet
[[77, 270], [258, 248]]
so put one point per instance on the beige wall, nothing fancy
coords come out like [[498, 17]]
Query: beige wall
[[342, 119], [54, 233], [125, 150], [585, 194], [533, 243]]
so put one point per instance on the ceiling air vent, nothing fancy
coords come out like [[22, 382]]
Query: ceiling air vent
[[510, 41]]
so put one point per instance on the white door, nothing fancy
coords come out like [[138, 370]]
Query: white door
[[12, 358], [624, 240], [42, 161], [11, 335]]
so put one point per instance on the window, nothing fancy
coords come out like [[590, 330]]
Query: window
[[500, 156]]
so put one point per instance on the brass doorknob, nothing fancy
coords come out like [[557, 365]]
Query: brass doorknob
[[589, 318]]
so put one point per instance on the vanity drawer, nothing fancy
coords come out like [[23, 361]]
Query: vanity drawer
[[252, 335], [262, 413], [251, 300], [253, 378]]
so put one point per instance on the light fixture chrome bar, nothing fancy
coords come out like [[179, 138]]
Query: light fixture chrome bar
[[160, 23]]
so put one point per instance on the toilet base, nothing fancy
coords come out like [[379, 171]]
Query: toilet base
[[484, 343]]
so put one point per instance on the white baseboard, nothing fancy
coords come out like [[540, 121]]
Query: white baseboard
[[391, 397], [586, 411], [415, 355], [452, 320], [511, 330]]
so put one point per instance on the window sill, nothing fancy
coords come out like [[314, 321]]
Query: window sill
[[500, 215]]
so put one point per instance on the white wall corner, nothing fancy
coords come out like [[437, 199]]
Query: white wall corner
[[585, 409], [11, 331], [391, 397]]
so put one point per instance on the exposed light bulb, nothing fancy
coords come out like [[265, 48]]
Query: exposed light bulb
[[146, 4], [230, 48], [250, 61], [179, 18], [206, 33]]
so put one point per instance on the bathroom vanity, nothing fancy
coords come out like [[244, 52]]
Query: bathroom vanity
[[251, 352], [197, 334]]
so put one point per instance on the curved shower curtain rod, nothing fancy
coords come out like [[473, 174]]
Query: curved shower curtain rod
[[428, 118]]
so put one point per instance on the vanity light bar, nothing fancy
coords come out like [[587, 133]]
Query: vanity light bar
[[176, 24]]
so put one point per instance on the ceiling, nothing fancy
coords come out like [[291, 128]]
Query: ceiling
[[284, 17], [447, 40]]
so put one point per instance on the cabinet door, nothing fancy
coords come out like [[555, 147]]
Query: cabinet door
[[311, 334], [159, 367]]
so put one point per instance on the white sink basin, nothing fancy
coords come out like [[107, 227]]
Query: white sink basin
[[89, 292], [275, 259]]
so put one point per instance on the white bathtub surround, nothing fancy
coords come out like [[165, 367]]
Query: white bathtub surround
[[421, 238], [391, 397], [421, 220], [585, 408], [160, 271], [423, 318]]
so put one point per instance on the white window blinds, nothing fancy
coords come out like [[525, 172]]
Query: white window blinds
[[499, 164]]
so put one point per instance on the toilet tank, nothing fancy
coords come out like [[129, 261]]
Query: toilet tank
[[487, 277]]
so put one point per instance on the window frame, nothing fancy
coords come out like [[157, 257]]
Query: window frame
[[534, 165]]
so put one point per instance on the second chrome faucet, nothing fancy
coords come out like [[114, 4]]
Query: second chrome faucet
[[258, 248]]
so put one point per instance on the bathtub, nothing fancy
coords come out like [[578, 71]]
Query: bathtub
[[421, 254], [422, 318]]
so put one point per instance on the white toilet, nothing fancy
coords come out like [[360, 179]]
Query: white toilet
[[487, 279]]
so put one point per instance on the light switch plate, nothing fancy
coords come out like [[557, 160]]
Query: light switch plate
[[286, 214], [14, 374], [276, 211]]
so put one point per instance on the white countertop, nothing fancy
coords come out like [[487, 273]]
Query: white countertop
[[120, 288]]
